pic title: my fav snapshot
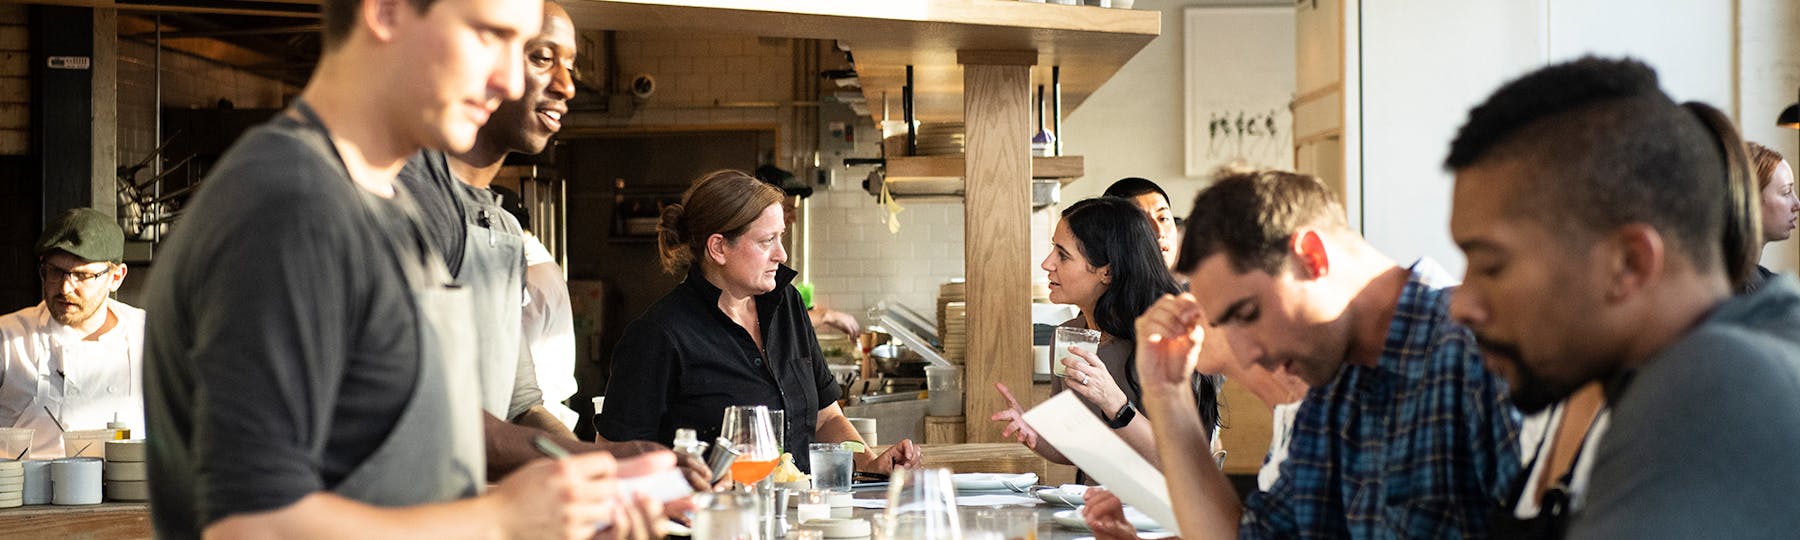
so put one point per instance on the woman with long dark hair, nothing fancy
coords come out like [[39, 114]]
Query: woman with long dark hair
[[1105, 261]]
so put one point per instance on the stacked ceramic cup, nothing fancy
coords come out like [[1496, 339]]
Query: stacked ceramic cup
[[125, 471], [37, 481], [12, 483]]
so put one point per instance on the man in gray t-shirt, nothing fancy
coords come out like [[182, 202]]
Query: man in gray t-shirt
[[308, 367], [1605, 228]]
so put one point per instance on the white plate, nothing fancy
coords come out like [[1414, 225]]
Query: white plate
[[1072, 520], [993, 481]]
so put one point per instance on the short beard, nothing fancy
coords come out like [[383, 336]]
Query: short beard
[[1533, 393], [76, 319]]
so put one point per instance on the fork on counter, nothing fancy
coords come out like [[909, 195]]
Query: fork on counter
[[1059, 497], [1015, 487]]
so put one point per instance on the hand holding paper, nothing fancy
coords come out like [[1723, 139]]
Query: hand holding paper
[[1066, 424]]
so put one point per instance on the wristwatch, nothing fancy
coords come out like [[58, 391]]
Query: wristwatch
[[1123, 417]]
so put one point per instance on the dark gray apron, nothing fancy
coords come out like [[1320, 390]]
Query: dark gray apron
[[440, 415], [493, 269], [434, 452]]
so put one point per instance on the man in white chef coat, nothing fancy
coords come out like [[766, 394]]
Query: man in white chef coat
[[75, 360]]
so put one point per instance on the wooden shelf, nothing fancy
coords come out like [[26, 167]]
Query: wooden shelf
[[106, 520], [1063, 168], [1089, 43], [942, 176]]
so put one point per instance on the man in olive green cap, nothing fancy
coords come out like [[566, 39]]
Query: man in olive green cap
[[74, 361]]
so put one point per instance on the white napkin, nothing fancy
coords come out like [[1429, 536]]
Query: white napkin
[[993, 481], [996, 500]]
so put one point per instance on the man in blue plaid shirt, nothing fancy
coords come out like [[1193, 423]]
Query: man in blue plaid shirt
[[1403, 434]]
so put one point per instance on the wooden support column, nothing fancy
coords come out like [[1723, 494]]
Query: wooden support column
[[997, 230]]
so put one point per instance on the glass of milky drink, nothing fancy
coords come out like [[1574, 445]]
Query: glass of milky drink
[[1080, 338]]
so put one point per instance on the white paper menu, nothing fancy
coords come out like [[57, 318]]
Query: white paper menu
[[1067, 424]]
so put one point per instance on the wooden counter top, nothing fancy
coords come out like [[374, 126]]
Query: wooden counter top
[[994, 458]]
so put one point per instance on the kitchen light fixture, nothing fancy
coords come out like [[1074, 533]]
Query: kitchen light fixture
[[1790, 117]]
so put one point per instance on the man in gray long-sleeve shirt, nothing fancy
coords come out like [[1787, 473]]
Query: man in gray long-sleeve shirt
[[1605, 226]]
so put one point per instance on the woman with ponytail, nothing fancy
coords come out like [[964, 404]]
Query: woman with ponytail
[[734, 332]]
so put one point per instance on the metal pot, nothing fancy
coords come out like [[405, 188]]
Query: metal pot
[[895, 360]]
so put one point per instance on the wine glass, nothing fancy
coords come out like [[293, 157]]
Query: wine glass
[[750, 432], [922, 504]]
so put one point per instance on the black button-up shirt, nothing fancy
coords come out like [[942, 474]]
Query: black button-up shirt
[[684, 361]]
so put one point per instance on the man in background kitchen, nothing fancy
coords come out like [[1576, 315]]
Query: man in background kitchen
[[75, 360], [310, 367], [1156, 205], [549, 319]]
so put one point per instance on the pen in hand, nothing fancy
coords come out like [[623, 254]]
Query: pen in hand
[[548, 448]]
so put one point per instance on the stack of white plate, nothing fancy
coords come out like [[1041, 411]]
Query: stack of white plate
[[126, 471], [12, 483], [940, 139], [953, 291], [956, 331]]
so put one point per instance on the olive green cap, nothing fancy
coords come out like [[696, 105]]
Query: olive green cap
[[85, 233]]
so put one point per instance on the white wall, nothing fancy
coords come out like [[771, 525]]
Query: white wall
[[1769, 71], [1132, 125], [1414, 97]]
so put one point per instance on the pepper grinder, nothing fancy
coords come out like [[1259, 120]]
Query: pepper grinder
[[723, 455], [781, 504]]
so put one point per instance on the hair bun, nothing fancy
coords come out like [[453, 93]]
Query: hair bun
[[671, 238], [670, 222]]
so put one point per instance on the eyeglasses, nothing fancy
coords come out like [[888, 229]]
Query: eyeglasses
[[51, 274]]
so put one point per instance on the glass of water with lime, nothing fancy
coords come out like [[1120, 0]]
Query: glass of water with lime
[[831, 465]]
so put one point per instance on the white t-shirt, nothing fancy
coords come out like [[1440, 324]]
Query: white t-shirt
[[52, 375], [1539, 431], [549, 329], [1282, 432]]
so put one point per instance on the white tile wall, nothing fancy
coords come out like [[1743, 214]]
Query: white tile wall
[[857, 263]]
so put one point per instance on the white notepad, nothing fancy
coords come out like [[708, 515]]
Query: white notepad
[[1065, 422]]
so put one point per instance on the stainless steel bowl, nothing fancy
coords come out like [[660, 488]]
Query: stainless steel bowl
[[895, 360]]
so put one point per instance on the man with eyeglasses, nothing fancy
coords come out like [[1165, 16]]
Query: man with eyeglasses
[[74, 361]]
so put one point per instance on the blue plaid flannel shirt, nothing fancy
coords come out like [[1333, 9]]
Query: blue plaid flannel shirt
[[1423, 445]]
